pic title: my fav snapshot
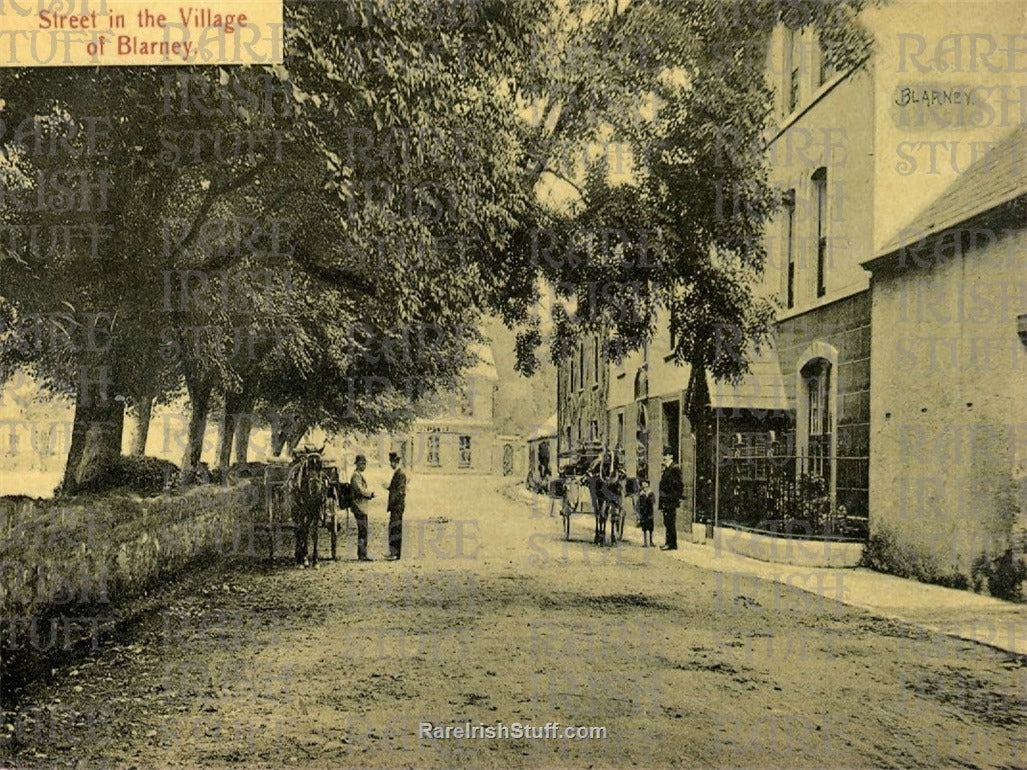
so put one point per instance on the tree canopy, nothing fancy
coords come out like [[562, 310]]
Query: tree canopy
[[319, 239]]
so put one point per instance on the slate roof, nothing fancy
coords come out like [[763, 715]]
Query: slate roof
[[998, 177]]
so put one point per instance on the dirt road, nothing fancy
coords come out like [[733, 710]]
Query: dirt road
[[492, 619]]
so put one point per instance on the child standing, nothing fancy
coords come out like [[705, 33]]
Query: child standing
[[645, 514]]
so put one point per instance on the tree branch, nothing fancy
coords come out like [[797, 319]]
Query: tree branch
[[562, 177], [213, 192]]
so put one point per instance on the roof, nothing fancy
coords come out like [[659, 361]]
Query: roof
[[762, 388], [998, 177]]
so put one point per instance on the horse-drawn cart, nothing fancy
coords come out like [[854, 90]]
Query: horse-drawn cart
[[592, 481], [303, 496]]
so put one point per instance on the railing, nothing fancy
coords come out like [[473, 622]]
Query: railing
[[780, 495]]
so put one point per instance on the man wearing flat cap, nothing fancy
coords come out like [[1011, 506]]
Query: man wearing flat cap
[[361, 496], [671, 490], [397, 503]]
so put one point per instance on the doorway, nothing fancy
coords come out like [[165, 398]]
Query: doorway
[[672, 428]]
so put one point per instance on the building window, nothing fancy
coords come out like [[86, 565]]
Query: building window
[[434, 458], [824, 70], [465, 451], [572, 375], [816, 377], [749, 453], [642, 446], [791, 69], [790, 245], [593, 430], [641, 384], [595, 360], [620, 429], [581, 363], [820, 195]]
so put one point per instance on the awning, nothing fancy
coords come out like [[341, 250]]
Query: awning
[[548, 429], [762, 388]]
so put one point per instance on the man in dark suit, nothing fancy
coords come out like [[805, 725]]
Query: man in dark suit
[[672, 488], [361, 496], [397, 504]]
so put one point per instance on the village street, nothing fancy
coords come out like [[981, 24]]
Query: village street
[[491, 618]]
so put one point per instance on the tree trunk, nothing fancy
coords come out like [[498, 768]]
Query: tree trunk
[[297, 430], [228, 425], [237, 406], [200, 390], [243, 426], [145, 409], [96, 431], [277, 436], [697, 408], [286, 431]]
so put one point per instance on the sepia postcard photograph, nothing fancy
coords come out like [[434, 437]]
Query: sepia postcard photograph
[[513, 384]]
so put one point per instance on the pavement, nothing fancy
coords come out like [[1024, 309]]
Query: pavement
[[949, 611]]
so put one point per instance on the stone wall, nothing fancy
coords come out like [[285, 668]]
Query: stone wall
[[65, 565]]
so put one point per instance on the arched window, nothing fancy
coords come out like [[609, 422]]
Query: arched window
[[642, 437], [641, 384], [816, 378]]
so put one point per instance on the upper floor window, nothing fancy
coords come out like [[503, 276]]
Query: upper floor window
[[791, 69], [641, 384], [595, 360], [820, 202], [573, 384], [465, 451], [581, 363], [789, 202], [824, 70]]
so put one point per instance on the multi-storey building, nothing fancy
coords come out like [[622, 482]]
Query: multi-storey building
[[855, 154], [461, 437], [948, 467]]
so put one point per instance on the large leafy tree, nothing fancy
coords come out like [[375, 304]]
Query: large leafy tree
[[377, 250], [403, 146], [678, 88]]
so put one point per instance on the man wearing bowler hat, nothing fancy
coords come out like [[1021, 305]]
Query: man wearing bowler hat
[[671, 490], [397, 503]]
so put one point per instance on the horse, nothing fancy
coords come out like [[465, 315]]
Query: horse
[[606, 485], [305, 492]]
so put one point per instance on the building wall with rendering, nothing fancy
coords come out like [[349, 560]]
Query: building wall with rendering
[[948, 470]]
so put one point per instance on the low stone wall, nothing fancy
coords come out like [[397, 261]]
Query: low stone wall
[[65, 564], [780, 550]]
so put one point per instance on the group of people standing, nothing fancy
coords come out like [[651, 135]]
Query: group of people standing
[[671, 490], [362, 496]]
